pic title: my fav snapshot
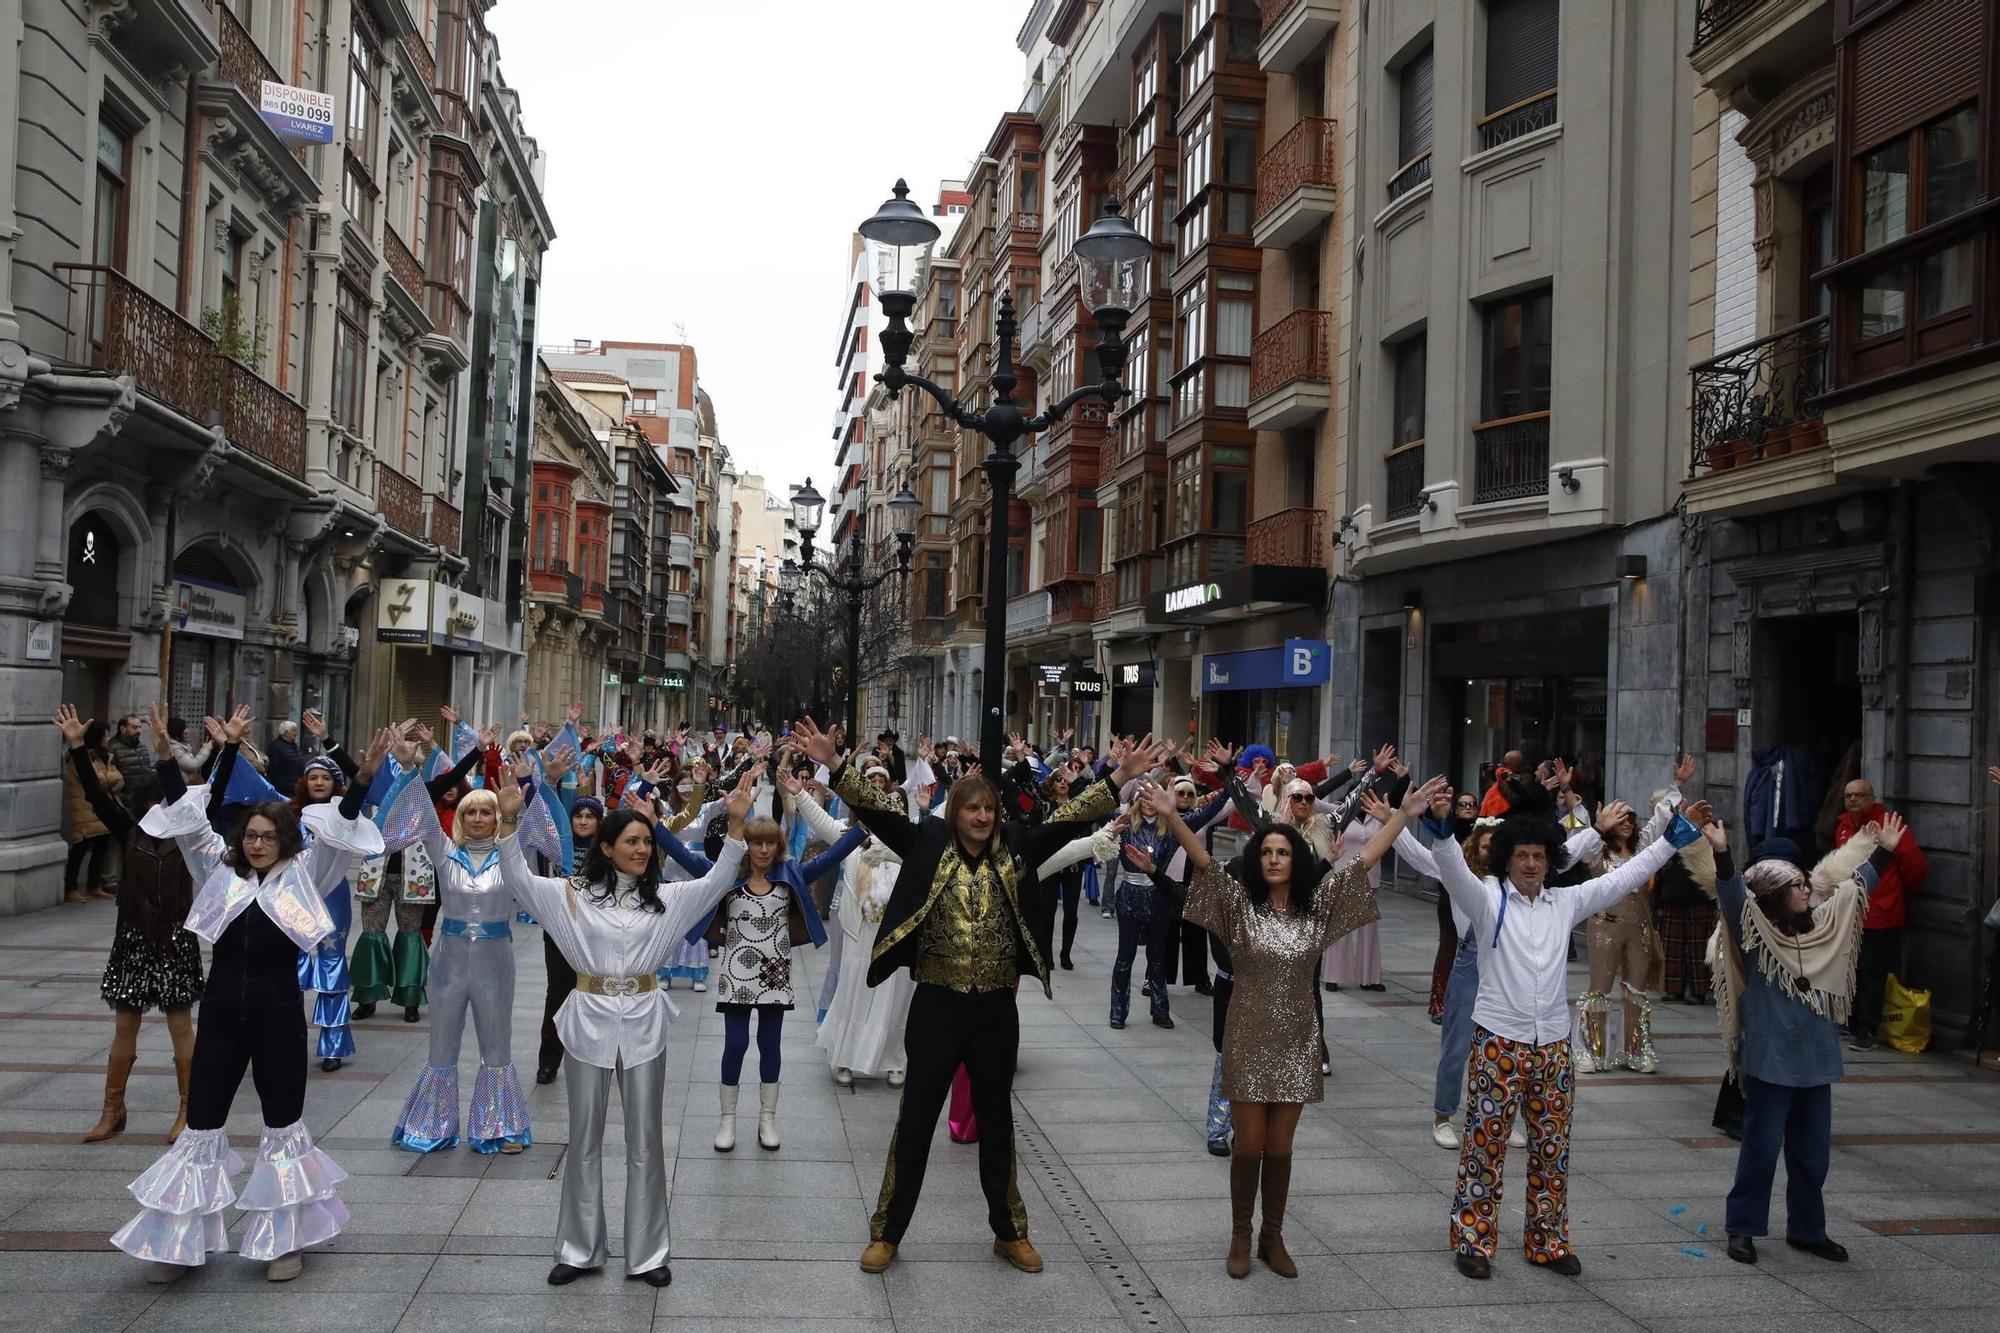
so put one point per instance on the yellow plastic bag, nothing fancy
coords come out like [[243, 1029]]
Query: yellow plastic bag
[[1906, 1017]]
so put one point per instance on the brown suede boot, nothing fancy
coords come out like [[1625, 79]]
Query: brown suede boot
[[1271, 1238], [1243, 1173], [116, 1071]]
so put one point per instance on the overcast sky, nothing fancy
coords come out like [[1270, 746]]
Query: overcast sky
[[708, 164]]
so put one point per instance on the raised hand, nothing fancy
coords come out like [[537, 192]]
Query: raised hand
[[789, 782], [1153, 799], [1138, 858], [576, 712], [378, 748], [156, 722], [818, 745], [238, 725], [314, 724], [1890, 831], [554, 769], [522, 767], [1375, 808], [449, 714], [1333, 763], [489, 735], [1384, 756], [1220, 755], [404, 748], [524, 717], [1717, 835], [1684, 770], [1994, 773], [1358, 767], [1141, 759], [1701, 814], [512, 802], [1417, 798], [215, 732], [1441, 803], [1399, 768], [1611, 813], [71, 726]]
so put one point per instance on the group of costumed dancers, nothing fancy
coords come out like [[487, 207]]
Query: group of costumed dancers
[[942, 883]]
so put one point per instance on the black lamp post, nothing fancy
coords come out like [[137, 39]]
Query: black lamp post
[[854, 578], [1110, 259]]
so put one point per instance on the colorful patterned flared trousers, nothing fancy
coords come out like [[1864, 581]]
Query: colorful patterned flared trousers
[[1505, 1078]]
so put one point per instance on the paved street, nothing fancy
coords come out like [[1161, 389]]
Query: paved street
[[1131, 1214]]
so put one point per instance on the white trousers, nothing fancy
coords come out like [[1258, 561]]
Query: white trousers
[[580, 1228]]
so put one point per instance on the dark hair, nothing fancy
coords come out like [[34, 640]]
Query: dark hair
[[602, 876], [1306, 869], [93, 735], [177, 730], [283, 818], [1531, 822]]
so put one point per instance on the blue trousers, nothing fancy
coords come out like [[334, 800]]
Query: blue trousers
[[1800, 1122], [1455, 1039], [736, 1042]]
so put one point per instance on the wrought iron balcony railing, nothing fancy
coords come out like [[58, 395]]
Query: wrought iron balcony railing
[[1404, 472], [1304, 155], [1524, 117], [1415, 172], [1288, 537], [400, 500], [1511, 458], [1295, 348], [1760, 400], [1714, 17]]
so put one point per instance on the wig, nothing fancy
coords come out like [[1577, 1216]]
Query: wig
[[1530, 822], [479, 798]]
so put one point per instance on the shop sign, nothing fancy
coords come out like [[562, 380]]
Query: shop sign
[[211, 609], [1048, 677], [458, 619], [1193, 597], [1084, 683], [676, 681], [1297, 664], [1136, 674], [403, 611], [611, 678], [298, 114]]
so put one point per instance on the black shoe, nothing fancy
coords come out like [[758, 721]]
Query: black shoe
[[1569, 1266], [1743, 1249], [1437, 1020], [364, 1011], [564, 1274], [1332, 986], [1475, 1265], [1204, 988], [1163, 1021], [1378, 986], [1830, 1250], [1861, 1041], [330, 1065], [1218, 1147], [654, 1277], [1067, 965], [410, 1013], [545, 1075], [1117, 1025]]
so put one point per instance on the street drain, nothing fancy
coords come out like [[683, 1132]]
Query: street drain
[[1139, 1301]]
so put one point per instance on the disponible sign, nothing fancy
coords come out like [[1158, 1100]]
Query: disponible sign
[[299, 114], [1296, 665], [213, 609]]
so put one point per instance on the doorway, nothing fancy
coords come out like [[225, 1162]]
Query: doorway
[[1807, 696]]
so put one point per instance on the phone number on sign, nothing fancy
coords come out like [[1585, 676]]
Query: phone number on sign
[[284, 106]]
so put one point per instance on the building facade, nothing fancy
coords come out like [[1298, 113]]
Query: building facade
[[1844, 421], [236, 371], [572, 485]]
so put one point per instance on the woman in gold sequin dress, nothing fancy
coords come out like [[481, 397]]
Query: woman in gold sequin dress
[[1276, 911]]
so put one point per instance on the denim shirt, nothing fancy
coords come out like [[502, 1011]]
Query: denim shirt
[[1784, 1041]]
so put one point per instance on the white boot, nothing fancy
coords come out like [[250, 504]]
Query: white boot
[[725, 1137], [767, 1116]]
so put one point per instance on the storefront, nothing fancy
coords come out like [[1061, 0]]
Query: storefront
[[1269, 696], [426, 628], [1535, 683], [1133, 691], [206, 622]]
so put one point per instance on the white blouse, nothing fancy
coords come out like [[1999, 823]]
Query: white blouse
[[615, 939]]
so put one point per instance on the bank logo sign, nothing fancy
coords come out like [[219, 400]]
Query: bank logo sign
[[1193, 597]]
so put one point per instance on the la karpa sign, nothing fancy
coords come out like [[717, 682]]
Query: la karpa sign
[[299, 114]]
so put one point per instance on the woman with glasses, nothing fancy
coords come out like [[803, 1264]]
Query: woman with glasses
[[261, 901]]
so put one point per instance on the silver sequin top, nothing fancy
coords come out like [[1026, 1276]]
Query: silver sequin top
[[1270, 1047]]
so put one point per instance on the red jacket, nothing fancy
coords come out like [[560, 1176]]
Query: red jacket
[[1905, 873], [1495, 802]]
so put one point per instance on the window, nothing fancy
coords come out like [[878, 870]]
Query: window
[[350, 356], [357, 189], [110, 222], [1409, 355], [1919, 303], [1817, 236], [1517, 358], [1414, 104], [1191, 328], [1232, 501], [1235, 303], [1521, 48], [1240, 121]]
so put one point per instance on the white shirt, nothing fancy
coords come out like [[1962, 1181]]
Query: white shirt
[[616, 939], [1523, 980], [1583, 846]]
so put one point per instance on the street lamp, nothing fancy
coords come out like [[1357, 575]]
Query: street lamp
[[1111, 260], [854, 578]]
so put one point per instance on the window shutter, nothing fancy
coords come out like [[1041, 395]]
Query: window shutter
[[1413, 132], [1521, 47], [1912, 65]]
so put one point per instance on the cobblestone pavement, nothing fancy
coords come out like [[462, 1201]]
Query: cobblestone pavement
[[1129, 1210]]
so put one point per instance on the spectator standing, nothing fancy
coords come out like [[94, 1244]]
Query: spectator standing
[[286, 763], [135, 764], [1882, 942], [88, 838]]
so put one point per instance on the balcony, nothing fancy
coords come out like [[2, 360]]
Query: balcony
[[164, 36], [1293, 30], [1024, 228], [1403, 469], [1107, 595], [1415, 172], [444, 525], [401, 502], [1524, 117], [1291, 370], [1073, 601], [421, 54], [1028, 614], [118, 328], [1753, 405], [403, 266], [679, 610], [1738, 42], [1034, 336], [680, 551], [241, 62], [1511, 458], [1295, 183], [1293, 536]]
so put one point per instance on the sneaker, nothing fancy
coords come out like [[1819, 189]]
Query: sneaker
[[700, 986], [1642, 1062], [1862, 1041], [895, 1079], [1517, 1137], [844, 1077], [285, 1267], [1444, 1134], [1106, 913]]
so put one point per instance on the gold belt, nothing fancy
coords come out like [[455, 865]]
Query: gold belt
[[591, 985]]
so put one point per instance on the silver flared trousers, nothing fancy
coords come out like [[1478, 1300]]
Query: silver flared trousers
[[580, 1232]]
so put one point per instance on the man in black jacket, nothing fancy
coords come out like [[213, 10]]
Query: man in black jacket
[[969, 918]]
